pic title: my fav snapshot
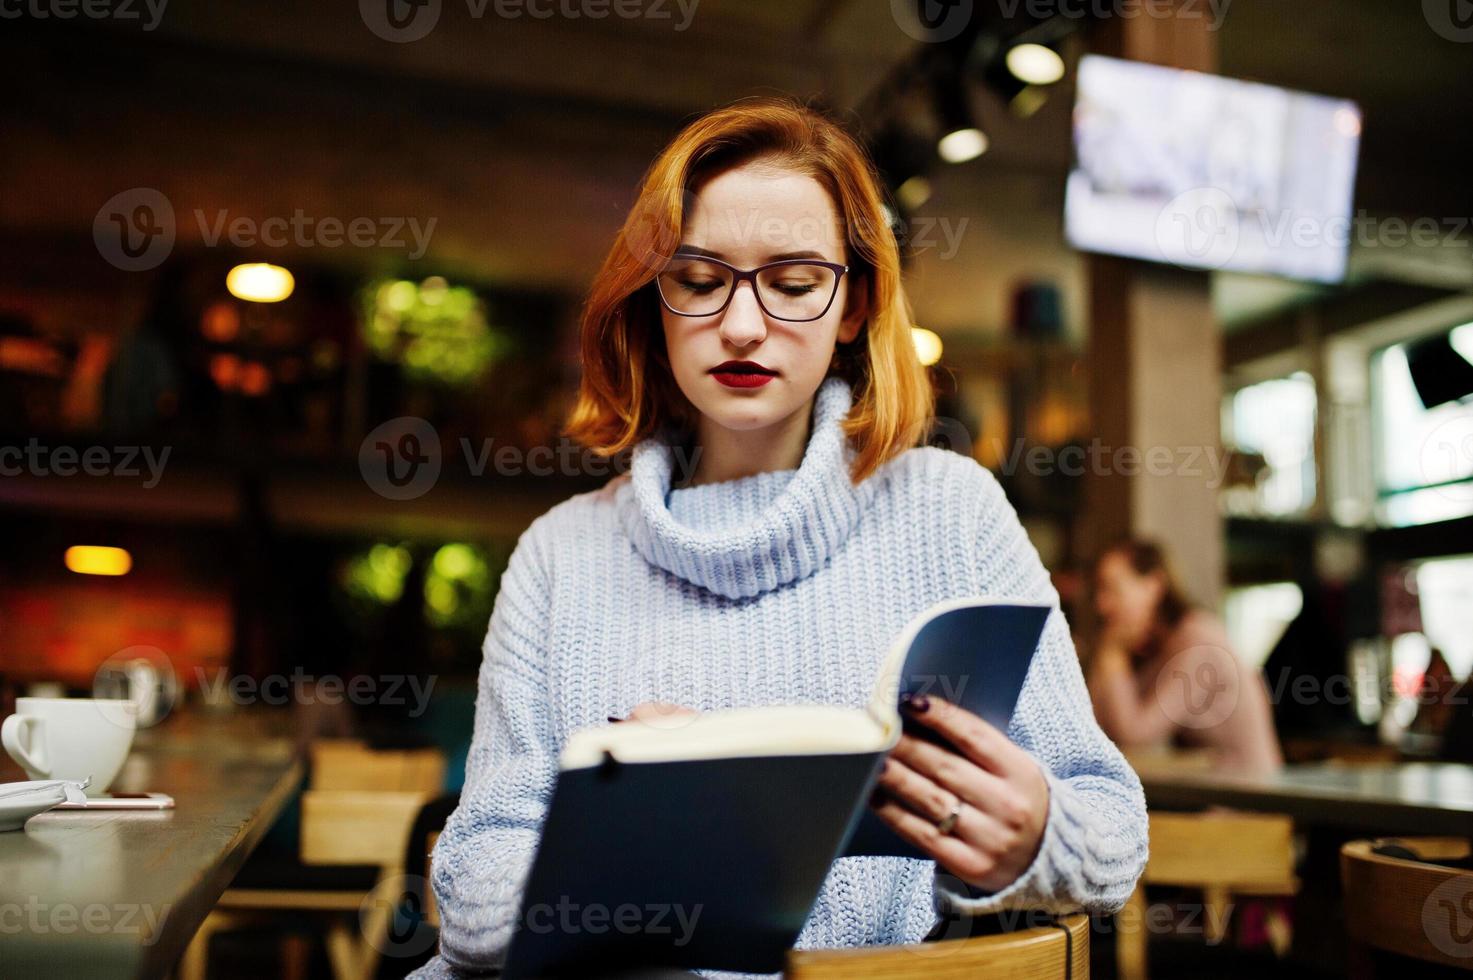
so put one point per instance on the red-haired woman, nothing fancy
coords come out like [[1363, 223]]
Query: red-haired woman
[[749, 338]]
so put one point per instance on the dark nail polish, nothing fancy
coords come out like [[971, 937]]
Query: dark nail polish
[[615, 718], [877, 798], [917, 703]]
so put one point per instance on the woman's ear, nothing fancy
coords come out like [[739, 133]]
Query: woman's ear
[[856, 309]]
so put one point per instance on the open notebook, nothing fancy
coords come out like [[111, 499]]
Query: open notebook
[[704, 846]]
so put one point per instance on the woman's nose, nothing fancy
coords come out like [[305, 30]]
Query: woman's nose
[[744, 323]]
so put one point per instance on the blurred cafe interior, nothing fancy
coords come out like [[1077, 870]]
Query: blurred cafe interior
[[289, 306]]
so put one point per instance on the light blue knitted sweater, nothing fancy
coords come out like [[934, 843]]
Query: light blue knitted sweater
[[783, 587]]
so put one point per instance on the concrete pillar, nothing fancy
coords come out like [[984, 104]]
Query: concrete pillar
[[1156, 365]]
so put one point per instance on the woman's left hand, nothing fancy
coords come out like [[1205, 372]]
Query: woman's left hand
[[996, 790]]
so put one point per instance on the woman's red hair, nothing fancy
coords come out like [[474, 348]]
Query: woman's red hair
[[628, 391]]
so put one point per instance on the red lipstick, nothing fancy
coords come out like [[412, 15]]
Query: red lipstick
[[742, 374]]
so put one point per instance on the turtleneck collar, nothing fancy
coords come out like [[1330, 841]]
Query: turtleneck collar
[[765, 530]]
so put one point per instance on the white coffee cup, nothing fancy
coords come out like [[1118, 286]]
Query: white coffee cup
[[71, 738]]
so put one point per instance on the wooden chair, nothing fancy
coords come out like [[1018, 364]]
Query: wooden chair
[[1048, 953], [348, 764], [432, 910], [1223, 854], [1167, 762], [358, 813], [1411, 908]]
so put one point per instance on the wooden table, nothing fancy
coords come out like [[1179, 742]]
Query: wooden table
[[106, 895], [1378, 798]]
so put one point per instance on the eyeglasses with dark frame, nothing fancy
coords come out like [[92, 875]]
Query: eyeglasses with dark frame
[[793, 302]]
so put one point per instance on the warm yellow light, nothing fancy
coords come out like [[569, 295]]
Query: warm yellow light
[[1035, 64], [260, 282], [962, 145], [88, 559], [928, 345], [914, 192]]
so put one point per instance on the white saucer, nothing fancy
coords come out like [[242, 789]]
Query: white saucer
[[25, 800]]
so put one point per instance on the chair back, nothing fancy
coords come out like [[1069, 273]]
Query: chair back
[[1222, 854], [1251, 853], [348, 764], [1048, 953], [1412, 908], [352, 827]]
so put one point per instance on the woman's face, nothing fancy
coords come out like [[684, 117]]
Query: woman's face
[[749, 216], [1125, 599]]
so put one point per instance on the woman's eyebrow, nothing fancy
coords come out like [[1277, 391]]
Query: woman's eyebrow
[[779, 257]]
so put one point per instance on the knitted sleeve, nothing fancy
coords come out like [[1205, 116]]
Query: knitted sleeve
[[485, 852], [1095, 838]]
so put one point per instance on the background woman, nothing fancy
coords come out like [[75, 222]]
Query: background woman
[[1164, 671]]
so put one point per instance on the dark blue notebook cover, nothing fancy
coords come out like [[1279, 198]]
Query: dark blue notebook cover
[[975, 655]]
